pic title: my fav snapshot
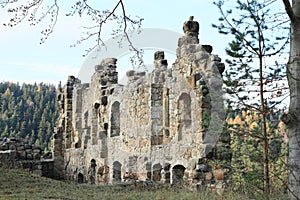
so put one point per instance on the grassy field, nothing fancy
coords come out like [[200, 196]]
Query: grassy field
[[16, 184]]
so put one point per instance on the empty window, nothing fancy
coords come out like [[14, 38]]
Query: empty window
[[117, 176], [177, 174], [184, 111], [157, 172], [80, 178], [115, 119]]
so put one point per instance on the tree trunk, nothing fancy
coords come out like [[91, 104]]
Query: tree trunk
[[293, 71], [264, 132], [292, 119]]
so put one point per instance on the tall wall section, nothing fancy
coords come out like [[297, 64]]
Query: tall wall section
[[150, 129]]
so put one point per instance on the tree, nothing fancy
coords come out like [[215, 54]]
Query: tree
[[251, 82], [38, 11], [246, 164], [292, 118], [28, 110]]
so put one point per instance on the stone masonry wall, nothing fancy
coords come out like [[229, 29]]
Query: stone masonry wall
[[153, 128], [17, 154]]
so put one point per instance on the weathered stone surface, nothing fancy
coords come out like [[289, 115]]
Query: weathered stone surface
[[150, 129], [191, 27], [15, 153]]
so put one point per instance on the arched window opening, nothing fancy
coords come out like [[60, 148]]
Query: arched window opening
[[80, 178], [177, 174], [117, 175], [103, 174], [115, 119], [157, 172], [148, 169], [92, 171], [184, 114]]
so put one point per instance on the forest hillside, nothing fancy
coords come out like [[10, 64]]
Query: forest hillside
[[28, 111]]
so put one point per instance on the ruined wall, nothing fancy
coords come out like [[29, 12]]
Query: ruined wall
[[150, 129], [17, 154]]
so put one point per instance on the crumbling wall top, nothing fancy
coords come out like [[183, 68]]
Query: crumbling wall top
[[191, 27]]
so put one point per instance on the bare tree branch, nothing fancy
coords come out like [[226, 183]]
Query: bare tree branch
[[36, 11]]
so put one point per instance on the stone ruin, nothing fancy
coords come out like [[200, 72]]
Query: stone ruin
[[19, 154], [151, 129]]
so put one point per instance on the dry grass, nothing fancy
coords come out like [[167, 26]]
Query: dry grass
[[16, 184]]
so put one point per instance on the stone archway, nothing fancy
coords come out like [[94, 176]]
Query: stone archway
[[80, 178], [156, 172], [117, 174], [92, 171], [184, 110], [115, 119], [178, 174], [103, 174], [148, 169]]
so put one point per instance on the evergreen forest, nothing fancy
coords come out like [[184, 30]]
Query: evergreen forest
[[28, 111]]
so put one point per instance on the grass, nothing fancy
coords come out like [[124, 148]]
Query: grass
[[17, 184]]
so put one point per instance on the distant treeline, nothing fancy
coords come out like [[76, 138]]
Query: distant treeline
[[28, 111]]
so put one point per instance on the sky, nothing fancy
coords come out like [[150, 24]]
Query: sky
[[23, 59]]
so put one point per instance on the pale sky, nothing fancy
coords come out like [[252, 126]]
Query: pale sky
[[23, 59]]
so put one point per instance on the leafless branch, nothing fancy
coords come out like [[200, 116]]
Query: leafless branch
[[36, 11]]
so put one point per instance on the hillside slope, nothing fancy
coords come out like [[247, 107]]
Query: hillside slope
[[28, 111]]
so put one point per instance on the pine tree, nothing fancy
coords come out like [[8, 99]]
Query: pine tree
[[253, 84], [28, 110]]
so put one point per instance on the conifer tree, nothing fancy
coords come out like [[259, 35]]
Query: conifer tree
[[252, 82], [29, 110]]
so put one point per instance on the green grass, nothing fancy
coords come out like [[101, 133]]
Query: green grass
[[16, 184]]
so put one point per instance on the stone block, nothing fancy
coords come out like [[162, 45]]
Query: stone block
[[156, 139], [12, 154], [4, 155], [208, 176], [159, 55], [185, 40], [29, 156], [208, 48], [12, 146], [36, 156], [103, 154], [21, 155], [20, 148], [4, 147], [202, 168], [36, 150]]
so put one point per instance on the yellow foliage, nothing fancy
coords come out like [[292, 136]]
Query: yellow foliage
[[229, 121], [267, 127], [248, 119], [38, 89], [282, 128], [7, 92], [255, 116], [253, 125], [244, 114], [238, 120]]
